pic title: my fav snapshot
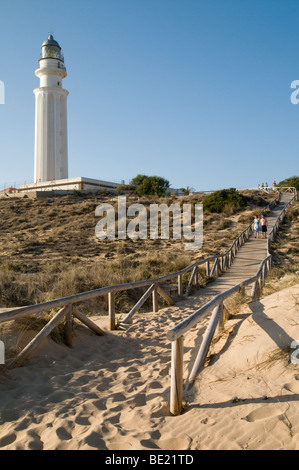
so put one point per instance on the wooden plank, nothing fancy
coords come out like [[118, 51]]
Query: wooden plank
[[204, 347], [111, 310], [165, 295], [222, 319], [139, 304], [196, 280], [207, 269], [155, 300], [191, 281], [68, 328], [87, 322], [254, 290], [214, 271], [36, 341], [176, 387], [180, 285]]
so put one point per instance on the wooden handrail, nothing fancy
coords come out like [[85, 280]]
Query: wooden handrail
[[189, 322], [175, 335]]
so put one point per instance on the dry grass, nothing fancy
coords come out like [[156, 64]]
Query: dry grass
[[276, 355], [235, 302], [49, 248]]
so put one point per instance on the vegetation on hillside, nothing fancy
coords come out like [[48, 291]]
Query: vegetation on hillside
[[48, 247], [144, 185], [219, 200], [293, 181]]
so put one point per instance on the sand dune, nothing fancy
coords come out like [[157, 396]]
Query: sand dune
[[112, 392]]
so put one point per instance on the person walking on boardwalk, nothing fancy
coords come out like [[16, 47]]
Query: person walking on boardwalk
[[264, 225], [256, 227]]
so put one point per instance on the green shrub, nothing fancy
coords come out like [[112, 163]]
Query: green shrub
[[293, 181], [219, 201], [150, 185]]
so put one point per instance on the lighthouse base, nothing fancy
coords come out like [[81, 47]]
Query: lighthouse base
[[70, 184]]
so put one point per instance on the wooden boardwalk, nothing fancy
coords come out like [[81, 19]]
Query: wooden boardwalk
[[249, 266], [250, 255]]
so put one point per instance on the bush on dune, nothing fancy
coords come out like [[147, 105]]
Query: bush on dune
[[219, 200]]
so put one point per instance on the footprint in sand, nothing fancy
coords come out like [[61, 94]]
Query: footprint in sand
[[167, 444], [132, 369], [6, 440], [117, 397], [10, 415], [165, 371], [100, 404], [262, 413], [63, 434], [82, 420], [138, 400], [155, 384]]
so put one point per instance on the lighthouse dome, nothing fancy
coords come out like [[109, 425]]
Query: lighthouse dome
[[50, 42], [51, 50]]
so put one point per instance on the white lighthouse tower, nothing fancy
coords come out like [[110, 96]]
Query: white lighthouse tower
[[51, 146], [51, 137]]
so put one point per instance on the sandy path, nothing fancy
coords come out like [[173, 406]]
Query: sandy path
[[112, 392]]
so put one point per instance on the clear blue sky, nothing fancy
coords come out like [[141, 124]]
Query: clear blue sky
[[196, 91]]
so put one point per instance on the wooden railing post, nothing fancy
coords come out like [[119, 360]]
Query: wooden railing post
[[196, 277], [176, 387], [192, 280], [204, 347], [208, 269], [222, 318], [139, 304], [225, 262], [253, 290], [155, 300], [165, 295], [111, 310], [264, 274], [260, 281], [180, 285], [214, 268], [270, 263], [35, 342], [87, 321], [68, 327]]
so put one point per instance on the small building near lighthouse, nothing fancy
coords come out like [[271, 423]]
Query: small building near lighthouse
[[51, 130]]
